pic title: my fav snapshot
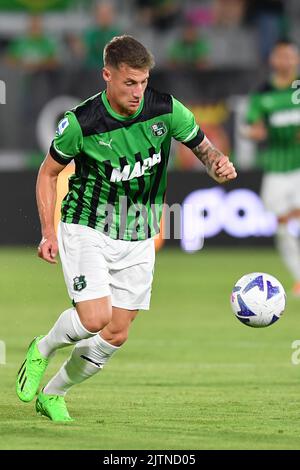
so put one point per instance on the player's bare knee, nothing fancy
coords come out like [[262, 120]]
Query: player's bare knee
[[119, 338], [283, 219], [93, 325], [94, 315], [97, 321]]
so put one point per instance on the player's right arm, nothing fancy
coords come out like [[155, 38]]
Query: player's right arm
[[255, 128], [66, 145], [46, 199]]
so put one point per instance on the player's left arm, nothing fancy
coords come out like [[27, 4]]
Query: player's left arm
[[185, 129], [218, 165]]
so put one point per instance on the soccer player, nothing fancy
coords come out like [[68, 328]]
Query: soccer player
[[274, 117], [120, 141]]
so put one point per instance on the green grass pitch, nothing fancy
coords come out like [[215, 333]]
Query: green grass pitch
[[190, 377]]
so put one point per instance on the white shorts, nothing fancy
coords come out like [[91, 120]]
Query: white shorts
[[95, 266], [280, 192]]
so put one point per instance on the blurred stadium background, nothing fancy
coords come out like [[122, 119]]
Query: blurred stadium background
[[190, 377]]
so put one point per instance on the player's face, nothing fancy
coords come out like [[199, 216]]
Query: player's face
[[285, 59], [125, 87]]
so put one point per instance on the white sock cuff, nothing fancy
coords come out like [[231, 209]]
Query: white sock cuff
[[105, 346]]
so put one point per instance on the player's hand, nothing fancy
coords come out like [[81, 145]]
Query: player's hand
[[223, 170], [257, 132], [48, 249]]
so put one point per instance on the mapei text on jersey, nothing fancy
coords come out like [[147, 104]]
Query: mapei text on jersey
[[138, 170]]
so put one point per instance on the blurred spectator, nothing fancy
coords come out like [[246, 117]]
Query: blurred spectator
[[35, 51], [233, 43], [190, 50], [161, 14], [271, 21], [229, 12], [90, 47], [199, 14], [37, 57]]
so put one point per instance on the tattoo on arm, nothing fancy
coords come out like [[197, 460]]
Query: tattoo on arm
[[207, 153]]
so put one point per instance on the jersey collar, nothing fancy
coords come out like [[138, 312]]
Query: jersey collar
[[114, 114]]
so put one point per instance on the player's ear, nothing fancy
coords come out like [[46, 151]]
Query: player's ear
[[106, 74]]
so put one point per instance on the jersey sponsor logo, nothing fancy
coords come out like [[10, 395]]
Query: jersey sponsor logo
[[107, 144], [289, 117], [158, 129], [126, 173], [62, 126]]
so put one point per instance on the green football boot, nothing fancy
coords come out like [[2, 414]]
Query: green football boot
[[53, 407], [31, 372]]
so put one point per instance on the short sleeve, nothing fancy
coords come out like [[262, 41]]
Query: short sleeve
[[255, 110], [68, 140], [184, 127]]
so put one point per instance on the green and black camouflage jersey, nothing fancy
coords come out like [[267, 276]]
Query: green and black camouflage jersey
[[121, 163], [275, 107]]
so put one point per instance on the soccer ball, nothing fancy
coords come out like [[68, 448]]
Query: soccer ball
[[258, 299]]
